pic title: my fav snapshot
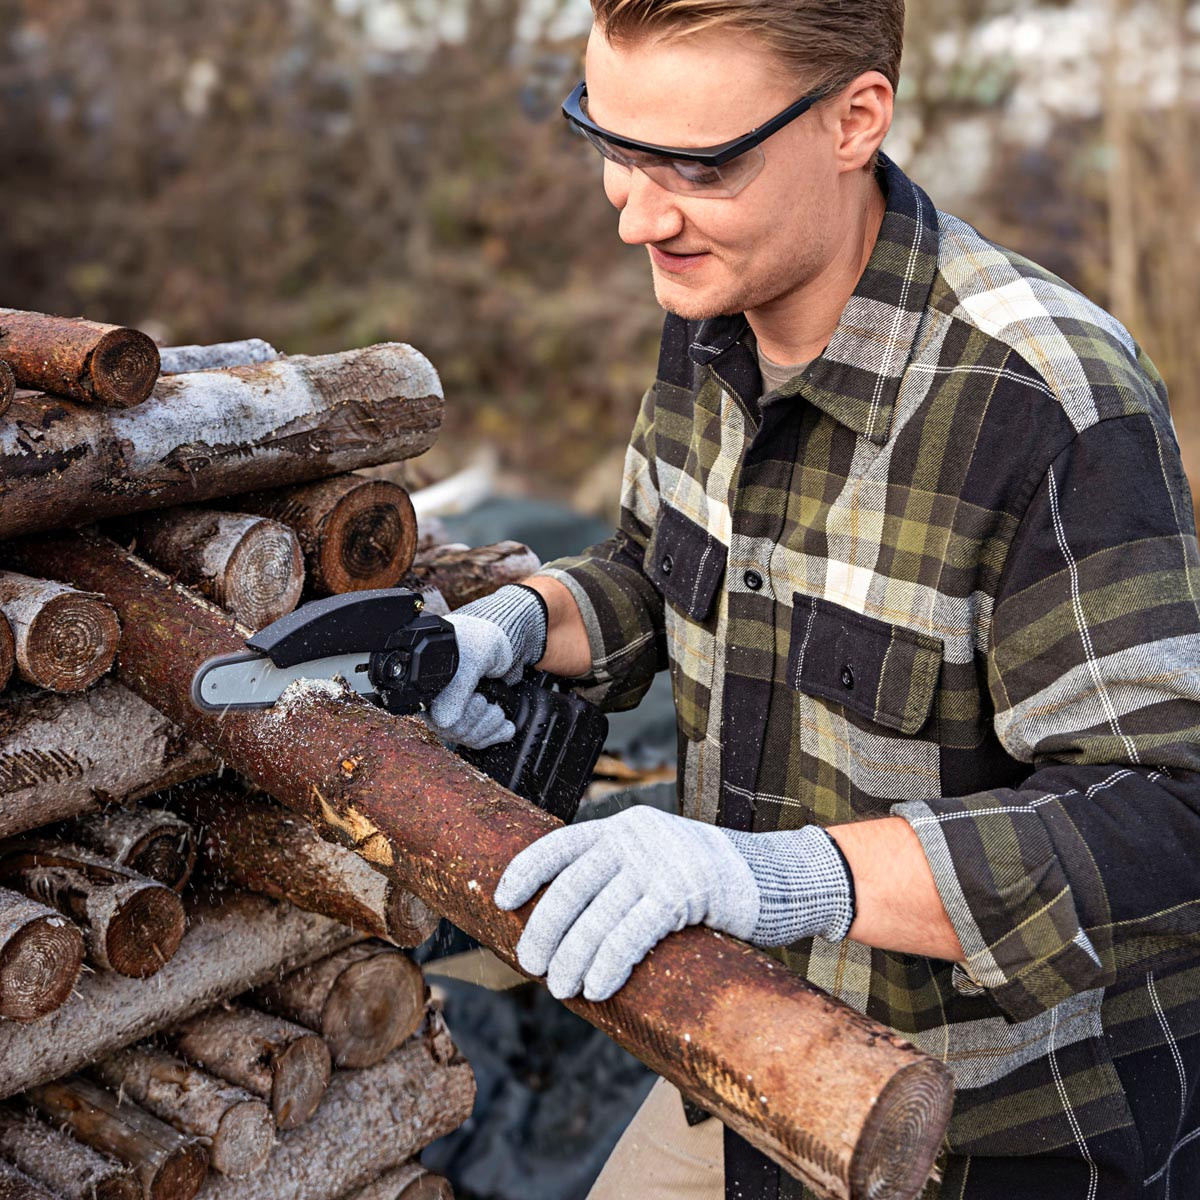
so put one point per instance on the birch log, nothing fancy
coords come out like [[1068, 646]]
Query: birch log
[[410, 1181], [169, 1165], [230, 946], [356, 533], [363, 1000], [249, 565], [41, 954], [370, 1121], [176, 360], [65, 755], [64, 639], [280, 1062], [237, 1126], [214, 433], [60, 1162], [87, 361], [8, 385], [150, 841], [462, 574], [258, 845], [131, 925], [16, 1185]]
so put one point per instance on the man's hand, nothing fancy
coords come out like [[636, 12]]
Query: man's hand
[[623, 883], [498, 637]]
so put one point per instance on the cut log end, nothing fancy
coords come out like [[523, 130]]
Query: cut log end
[[39, 964], [145, 930], [410, 921], [181, 1175], [244, 1140], [71, 643], [123, 368], [14, 1185], [374, 1006], [301, 1074], [368, 540], [265, 575]]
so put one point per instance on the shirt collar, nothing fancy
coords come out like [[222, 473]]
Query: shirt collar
[[857, 377]]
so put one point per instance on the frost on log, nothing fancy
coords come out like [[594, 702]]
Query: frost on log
[[693, 1010], [215, 433]]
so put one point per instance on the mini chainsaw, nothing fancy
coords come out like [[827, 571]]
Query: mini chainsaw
[[389, 650]]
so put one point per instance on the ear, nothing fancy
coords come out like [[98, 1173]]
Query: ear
[[864, 112]]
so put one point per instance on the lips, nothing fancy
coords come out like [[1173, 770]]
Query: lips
[[676, 263]]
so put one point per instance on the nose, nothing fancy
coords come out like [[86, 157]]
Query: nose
[[649, 212]]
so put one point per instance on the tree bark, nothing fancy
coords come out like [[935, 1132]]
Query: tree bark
[[87, 361], [248, 565], [238, 1126], [8, 385], [150, 841], [132, 925], [16, 1185], [177, 360], [60, 1162], [370, 1121], [279, 1062], [462, 574], [40, 958], [214, 433], [693, 1010], [64, 639], [364, 1001], [170, 1165], [258, 845], [230, 946], [356, 533], [8, 652], [65, 755], [409, 1181]]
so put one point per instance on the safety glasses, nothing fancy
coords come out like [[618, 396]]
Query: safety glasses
[[712, 171]]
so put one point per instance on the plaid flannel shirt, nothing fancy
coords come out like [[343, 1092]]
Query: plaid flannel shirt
[[948, 572]]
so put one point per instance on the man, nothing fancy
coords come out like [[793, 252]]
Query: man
[[904, 516]]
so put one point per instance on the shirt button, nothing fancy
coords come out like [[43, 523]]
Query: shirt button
[[847, 678], [753, 580], [667, 564]]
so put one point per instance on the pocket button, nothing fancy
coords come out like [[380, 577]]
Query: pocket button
[[848, 678], [667, 564], [753, 580]]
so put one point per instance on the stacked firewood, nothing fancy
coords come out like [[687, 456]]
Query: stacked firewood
[[198, 994]]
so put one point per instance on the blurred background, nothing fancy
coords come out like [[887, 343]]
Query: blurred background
[[329, 173]]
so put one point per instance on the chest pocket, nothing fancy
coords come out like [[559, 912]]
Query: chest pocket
[[883, 672]]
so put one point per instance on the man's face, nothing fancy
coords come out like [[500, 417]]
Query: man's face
[[713, 256]]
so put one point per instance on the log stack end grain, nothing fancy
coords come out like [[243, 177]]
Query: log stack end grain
[[41, 954]]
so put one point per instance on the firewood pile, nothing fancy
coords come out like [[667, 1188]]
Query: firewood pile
[[199, 995]]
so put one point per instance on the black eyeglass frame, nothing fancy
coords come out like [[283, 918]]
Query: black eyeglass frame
[[709, 156]]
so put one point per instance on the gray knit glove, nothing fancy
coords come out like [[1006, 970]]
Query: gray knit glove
[[623, 883], [498, 637]]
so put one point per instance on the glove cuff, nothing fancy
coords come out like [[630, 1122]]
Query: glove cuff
[[521, 614], [804, 884]]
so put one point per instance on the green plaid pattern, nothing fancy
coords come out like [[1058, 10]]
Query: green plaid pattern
[[947, 572]]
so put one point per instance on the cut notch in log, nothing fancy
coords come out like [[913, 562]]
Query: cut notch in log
[[132, 925], [237, 1126], [84, 360], [151, 841], [41, 954], [64, 639], [62, 1163], [356, 533], [463, 573], [256, 844], [249, 565], [364, 1001], [170, 1165], [282, 1063], [8, 386]]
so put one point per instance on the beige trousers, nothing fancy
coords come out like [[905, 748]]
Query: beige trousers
[[661, 1157]]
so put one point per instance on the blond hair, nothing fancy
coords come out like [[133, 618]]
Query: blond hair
[[827, 43]]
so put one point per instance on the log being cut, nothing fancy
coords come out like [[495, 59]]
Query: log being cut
[[41, 954], [749, 1042], [463, 573], [249, 565], [231, 945], [260, 846], [64, 639], [87, 361], [60, 1162], [357, 533], [65, 755], [151, 841], [236, 1126], [276, 1060], [364, 1001], [214, 433], [370, 1121], [169, 1165]]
